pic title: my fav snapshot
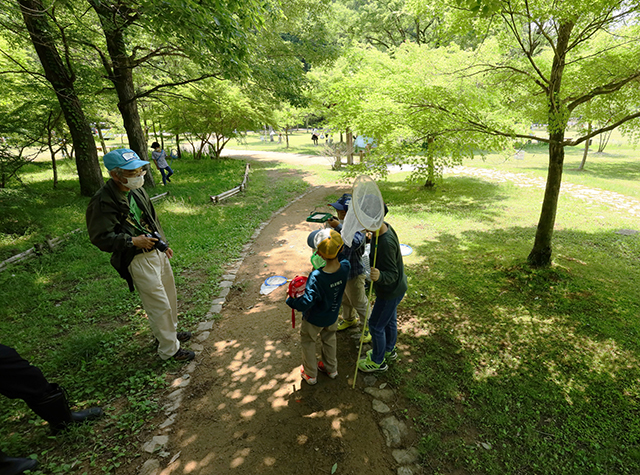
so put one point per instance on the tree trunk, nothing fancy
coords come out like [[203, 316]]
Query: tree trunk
[[121, 75], [586, 150], [61, 79], [540, 255], [286, 135], [431, 168], [101, 137], [178, 146]]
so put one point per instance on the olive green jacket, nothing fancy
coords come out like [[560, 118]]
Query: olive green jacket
[[109, 229]]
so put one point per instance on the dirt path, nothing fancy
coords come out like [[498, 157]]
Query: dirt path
[[246, 410]]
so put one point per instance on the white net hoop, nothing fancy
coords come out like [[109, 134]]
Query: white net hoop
[[367, 203]]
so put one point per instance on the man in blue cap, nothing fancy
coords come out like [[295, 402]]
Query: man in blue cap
[[121, 220]]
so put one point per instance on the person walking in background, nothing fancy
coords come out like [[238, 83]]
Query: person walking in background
[[121, 220], [159, 157]]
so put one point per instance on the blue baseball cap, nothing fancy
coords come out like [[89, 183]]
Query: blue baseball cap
[[343, 203], [124, 158]]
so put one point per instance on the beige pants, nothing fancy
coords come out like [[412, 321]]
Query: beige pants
[[308, 336], [153, 277], [354, 298]]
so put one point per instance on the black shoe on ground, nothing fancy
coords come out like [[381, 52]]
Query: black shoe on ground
[[90, 414], [16, 466], [184, 336], [184, 355]]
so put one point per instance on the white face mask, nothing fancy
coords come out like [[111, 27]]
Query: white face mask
[[133, 183]]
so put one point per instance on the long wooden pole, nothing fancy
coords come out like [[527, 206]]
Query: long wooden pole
[[366, 316]]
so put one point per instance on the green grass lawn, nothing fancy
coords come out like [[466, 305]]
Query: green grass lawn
[[510, 370], [514, 370], [69, 313], [617, 168]]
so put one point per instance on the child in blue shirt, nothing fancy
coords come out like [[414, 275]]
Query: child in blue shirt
[[320, 305]]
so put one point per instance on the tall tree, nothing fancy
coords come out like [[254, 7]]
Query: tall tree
[[208, 31], [541, 61], [40, 24]]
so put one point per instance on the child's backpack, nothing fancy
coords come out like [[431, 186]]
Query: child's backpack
[[296, 289]]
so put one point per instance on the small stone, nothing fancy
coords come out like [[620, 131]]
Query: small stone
[[173, 407], [405, 471], [155, 442], [225, 284], [203, 326], [370, 380], [180, 382], [215, 309], [197, 347], [150, 467], [383, 385], [406, 457], [177, 394], [386, 395], [393, 431], [174, 458], [486, 445], [191, 367], [170, 420], [380, 407], [164, 454], [224, 293], [229, 277], [219, 301], [203, 336]]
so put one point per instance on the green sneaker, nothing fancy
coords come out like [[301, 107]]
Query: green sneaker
[[366, 338], [344, 324], [367, 366], [388, 355], [391, 355]]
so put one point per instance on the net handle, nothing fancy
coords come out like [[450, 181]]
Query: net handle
[[366, 315]]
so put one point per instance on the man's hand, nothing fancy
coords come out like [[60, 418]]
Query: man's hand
[[169, 252], [333, 222], [375, 274], [143, 242]]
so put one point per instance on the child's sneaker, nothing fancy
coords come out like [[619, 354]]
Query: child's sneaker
[[391, 355], [388, 355], [323, 368], [366, 338], [367, 365], [344, 324], [310, 381]]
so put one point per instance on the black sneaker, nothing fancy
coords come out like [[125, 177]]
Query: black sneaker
[[184, 355], [183, 336]]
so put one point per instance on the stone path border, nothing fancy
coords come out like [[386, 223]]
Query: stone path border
[[394, 430], [590, 195], [173, 400]]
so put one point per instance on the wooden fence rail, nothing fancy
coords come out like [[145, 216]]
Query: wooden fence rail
[[233, 191], [49, 244]]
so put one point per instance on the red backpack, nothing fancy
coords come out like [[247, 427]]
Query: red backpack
[[296, 289]]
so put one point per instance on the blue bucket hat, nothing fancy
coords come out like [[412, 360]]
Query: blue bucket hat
[[124, 158]]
